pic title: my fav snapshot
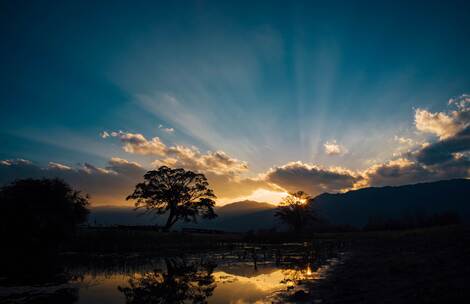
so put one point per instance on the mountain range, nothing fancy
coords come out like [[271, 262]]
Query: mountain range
[[238, 216], [357, 207], [353, 208]]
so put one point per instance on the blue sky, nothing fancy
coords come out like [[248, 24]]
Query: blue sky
[[267, 83]]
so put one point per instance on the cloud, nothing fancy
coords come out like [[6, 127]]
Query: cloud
[[112, 183], [311, 178], [123, 166], [104, 134], [440, 124], [57, 166], [167, 130], [138, 144], [333, 148], [445, 158], [404, 140], [191, 158], [396, 172], [446, 149], [454, 134], [180, 156], [445, 124], [404, 171], [109, 185]]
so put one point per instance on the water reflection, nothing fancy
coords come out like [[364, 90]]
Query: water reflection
[[37, 281], [211, 277], [181, 282], [195, 281]]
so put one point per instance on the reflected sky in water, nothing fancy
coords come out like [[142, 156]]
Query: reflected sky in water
[[239, 275], [234, 283]]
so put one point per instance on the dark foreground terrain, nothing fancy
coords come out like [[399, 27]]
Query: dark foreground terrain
[[414, 266], [421, 266]]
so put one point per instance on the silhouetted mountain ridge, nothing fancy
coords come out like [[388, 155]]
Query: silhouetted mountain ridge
[[357, 206], [351, 208], [238, 216], [246, 206]]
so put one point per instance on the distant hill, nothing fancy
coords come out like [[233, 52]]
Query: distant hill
[[112, 215], [356, 207], [243, 207], [242, 216], [239, 216]]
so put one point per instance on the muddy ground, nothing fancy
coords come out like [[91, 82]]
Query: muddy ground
[[422, 266]]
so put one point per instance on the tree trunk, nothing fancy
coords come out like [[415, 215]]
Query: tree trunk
[[169, 221]]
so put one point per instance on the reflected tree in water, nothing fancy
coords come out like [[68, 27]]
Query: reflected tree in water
[[182, 282]]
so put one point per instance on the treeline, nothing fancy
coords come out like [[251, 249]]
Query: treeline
[[418, 220]]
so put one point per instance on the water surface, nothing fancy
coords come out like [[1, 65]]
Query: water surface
[[212, 277]]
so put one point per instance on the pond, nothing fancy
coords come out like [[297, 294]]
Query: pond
[[242, 275]]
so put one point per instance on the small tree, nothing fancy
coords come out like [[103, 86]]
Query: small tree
[[184, 195], [295, 211]]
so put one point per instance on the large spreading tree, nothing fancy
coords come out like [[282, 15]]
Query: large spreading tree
[[178, 193]]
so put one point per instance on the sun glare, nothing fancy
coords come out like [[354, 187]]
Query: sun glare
[[260, 195]]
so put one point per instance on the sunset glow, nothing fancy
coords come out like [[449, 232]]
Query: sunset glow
[[301, 99]]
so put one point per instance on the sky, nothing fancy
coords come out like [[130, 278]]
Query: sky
[[263, 97]]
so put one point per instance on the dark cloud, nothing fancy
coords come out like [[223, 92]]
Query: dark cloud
[[444, 150], [312, 179], [445, 158], [404, 171], [105, 185]]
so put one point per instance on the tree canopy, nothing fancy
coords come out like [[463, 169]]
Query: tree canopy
[[40, 212], [183, 194], [295, 211]]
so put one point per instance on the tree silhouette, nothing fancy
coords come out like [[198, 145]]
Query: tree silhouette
[[36, 217], [295, 211], [181, 283], [184, 195], [41, 211]]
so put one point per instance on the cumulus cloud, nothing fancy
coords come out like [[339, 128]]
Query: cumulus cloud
[[454, 133], [333, 148], [311, 178], [404, 140], [180, 156], [446, 149], [138, 144], [396, 172], [112, 183], [404, 171], [445, 124], [216, 162], [440, 124], [445, 158]]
